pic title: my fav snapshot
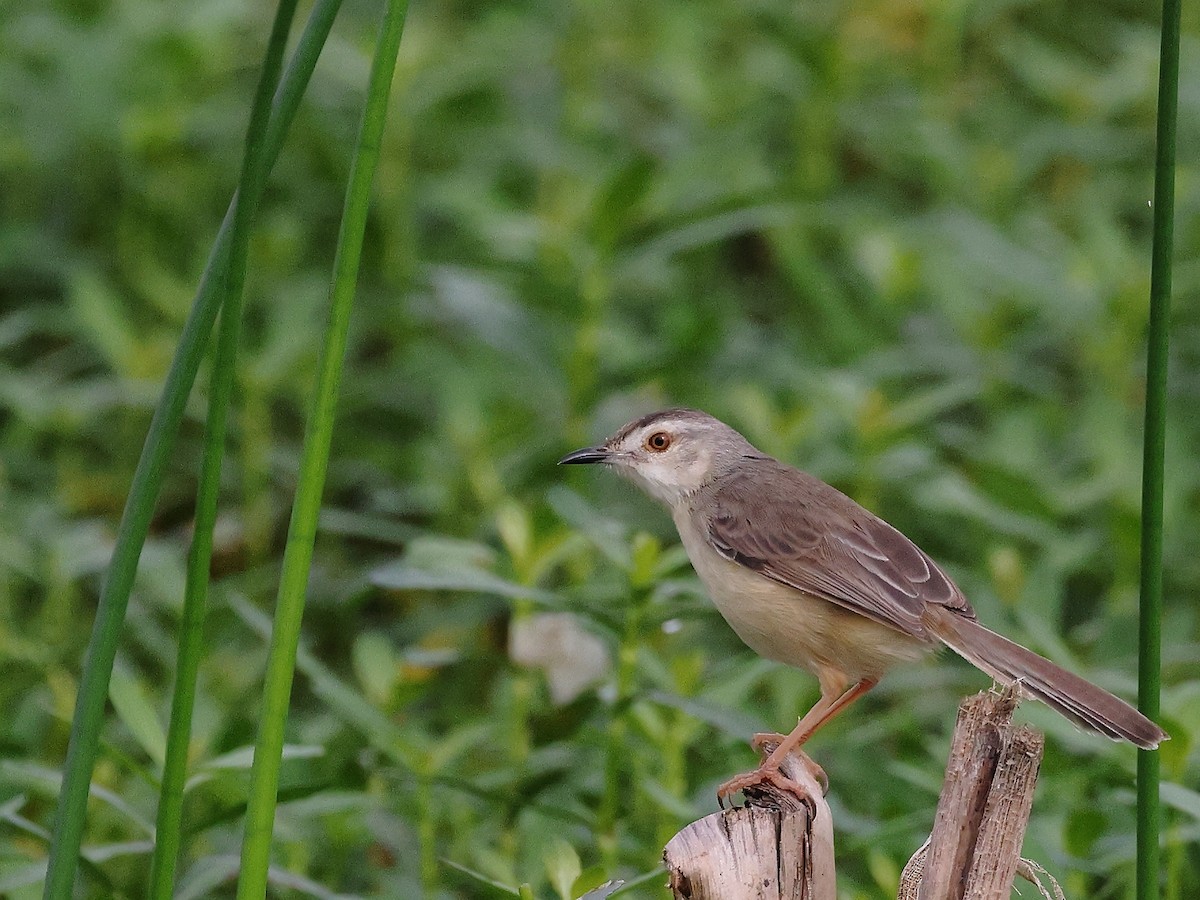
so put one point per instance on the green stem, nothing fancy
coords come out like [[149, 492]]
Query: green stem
[[147, 479], [1149, 823], [427, 833], [285, 636], [674, 775], [191, 626], [520, 695], [616, 759]]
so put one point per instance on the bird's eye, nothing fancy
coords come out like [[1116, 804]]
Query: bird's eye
[[658, 442]]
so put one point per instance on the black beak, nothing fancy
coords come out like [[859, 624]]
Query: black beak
[[586, 455]]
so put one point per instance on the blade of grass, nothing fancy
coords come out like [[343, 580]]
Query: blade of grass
[[139, 507], [1149, 817], [302, 531], [191, 625]]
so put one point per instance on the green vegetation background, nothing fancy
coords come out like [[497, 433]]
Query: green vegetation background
[[903, 245]]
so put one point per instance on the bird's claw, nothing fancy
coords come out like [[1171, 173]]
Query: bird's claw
[[765, 743], [753, 783]]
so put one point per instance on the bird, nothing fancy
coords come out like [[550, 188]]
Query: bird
[[807, 577]]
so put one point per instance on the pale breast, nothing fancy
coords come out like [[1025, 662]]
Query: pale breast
[[788, 626]]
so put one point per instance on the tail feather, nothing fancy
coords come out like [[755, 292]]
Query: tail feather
[[1085, 704]]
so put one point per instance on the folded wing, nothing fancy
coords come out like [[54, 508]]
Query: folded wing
[[817, 540]]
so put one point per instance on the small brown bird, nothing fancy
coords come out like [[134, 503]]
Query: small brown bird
[[808, 577]]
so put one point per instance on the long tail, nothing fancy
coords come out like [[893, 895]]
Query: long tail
[[1088, 706]]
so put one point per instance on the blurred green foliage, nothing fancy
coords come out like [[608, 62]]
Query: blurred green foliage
[[903, 245]]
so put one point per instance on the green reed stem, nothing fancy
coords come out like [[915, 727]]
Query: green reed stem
[[147, 480], [191, 625], [1149, 818], [302, 532]]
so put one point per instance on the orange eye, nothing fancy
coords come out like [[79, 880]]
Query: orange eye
[[658, 442]]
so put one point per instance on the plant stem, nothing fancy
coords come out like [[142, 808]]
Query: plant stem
[[1149, 822], [285, 636], [147, 479], [427, 830], [191, 625], [616, 757]]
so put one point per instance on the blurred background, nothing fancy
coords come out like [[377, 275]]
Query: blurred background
[[902, 245]]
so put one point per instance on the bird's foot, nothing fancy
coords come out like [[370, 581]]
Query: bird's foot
[[765, 743], [765, 780]]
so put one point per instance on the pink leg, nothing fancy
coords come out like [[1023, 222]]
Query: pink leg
[[823, 710], [821, 713]]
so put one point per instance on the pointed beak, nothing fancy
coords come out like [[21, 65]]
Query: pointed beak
[[586, 455]]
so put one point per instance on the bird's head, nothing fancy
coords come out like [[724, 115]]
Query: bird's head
[[670, 454]]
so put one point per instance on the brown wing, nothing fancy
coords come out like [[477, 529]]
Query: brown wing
[[799, 531]]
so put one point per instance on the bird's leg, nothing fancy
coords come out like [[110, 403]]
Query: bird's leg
[[823, 710], [768, 769], [815, 718]]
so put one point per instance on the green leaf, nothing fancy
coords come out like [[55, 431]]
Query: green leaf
[[1084, 826], [884, 871], [1177, 751], [402, 577], [101, 311], [647, 550], [730, 721], [402, 746], [243, 757], [376, 665], [562, 867], [594, 883], [205, 877], [130, 700], [1181, 798], [482, 880], [25, 876], [605, 533], [678, 807], [629, 887]]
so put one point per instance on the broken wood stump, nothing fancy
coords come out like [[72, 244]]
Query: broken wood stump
[[974, 850], [776, 847], [780, 847]]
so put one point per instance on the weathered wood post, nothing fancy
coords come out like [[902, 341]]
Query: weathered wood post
[[974, 850], [779, 847], [776, 847]]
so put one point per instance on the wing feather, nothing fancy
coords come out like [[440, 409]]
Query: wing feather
[[815, 539]]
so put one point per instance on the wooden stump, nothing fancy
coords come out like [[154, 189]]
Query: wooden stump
[[780, 847], [777, 847], [974, 851]]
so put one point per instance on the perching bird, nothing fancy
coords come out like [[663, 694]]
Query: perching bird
[[807, 577]]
